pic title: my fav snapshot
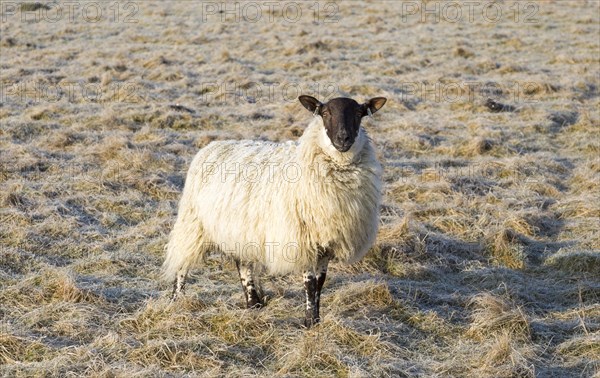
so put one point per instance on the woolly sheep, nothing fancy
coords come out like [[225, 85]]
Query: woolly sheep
[[287, 207]]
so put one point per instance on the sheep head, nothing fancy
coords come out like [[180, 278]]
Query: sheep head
[[342, 117]]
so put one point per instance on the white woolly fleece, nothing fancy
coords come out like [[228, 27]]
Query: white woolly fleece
[[277, 203]]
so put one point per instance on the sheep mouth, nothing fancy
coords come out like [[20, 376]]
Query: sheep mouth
[[342, 147]]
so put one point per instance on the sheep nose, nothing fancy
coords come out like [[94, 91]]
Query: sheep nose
[[344, 139]]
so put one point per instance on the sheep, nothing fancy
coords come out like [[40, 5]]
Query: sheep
[[318, 200]]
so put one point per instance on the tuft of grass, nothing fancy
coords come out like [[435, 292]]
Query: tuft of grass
[[398, 233], [575, 261], [358, 296], [246, 329], [173, 355], [14, 349], [504, 250], [494, 315], [505, 357], [52, 285], [324, 349], [587, 346]]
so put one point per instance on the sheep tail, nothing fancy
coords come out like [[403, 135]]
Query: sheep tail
[[186, 243]]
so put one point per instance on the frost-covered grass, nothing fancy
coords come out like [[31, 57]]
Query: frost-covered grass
[[488, 256]]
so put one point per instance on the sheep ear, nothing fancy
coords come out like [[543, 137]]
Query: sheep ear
[[310, 103], [374, 104]]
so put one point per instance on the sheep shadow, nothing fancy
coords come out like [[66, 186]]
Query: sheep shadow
[[562, 119]]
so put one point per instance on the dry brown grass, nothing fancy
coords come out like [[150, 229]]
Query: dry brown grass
[[487, 260], [494, 316]]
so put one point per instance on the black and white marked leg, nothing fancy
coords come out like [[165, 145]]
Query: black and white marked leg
[[310, 290], [321, 274], [313, 283], [179, 284], [250, 286]]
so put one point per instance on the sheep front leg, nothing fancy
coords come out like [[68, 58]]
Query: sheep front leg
[[313, 283], [249, 285], [322, 273]]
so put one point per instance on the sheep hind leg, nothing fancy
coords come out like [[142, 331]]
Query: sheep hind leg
[[179, 284], [313, 283], [250, 286]]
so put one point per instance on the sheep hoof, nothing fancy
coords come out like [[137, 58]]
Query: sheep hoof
[[255, 306], [310, 322], [174, 297], [255, 303]]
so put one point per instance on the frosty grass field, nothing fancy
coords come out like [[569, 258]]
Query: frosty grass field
[[487, 261]]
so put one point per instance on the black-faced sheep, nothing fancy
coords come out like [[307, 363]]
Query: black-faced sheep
[[287, 207]]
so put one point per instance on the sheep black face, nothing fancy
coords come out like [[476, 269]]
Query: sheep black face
[[341, 117]]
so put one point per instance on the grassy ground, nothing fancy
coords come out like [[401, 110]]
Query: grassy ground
[[487, 261]]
